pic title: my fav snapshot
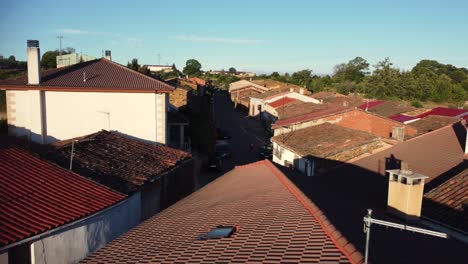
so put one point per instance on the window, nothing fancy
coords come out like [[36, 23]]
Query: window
[[219, 232]]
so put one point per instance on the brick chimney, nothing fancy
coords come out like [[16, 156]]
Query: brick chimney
[[405, 192], [108, 55], [34, 62]]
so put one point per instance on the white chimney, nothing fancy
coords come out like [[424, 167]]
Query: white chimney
[[108, 55], [34, 62], [301, 91]]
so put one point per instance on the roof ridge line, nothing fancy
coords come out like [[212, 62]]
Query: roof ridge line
[[346, 247], [428, 133], [137, 72]]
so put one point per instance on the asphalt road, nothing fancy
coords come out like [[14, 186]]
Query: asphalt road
[[243, 130]]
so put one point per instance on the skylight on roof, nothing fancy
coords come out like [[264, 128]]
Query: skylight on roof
[[219, 232]]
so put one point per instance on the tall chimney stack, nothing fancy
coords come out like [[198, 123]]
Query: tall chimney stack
[[108, 55], [34, 62], [405, 192]]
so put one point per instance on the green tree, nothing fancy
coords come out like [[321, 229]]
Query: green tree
[[192, 68], [49, 59], [133, 64], [232, 70], [302, 77]]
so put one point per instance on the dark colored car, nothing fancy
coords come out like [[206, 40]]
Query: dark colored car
[[222, 134], [266, 152], [215, 163], [223, 150]]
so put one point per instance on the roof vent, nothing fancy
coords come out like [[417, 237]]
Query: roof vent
[[219, 232]]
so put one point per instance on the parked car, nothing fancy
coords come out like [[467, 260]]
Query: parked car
[[222, 134], [223, 150], [215, 163], [266, 152]]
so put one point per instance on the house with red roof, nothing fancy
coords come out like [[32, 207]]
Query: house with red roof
[[158, 175], [252, 214], [84, 98], [52, 215]]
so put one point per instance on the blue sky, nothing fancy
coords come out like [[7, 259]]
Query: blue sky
[[261, 36]]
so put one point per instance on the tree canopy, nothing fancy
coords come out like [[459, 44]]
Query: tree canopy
[[133, 64], [232, 70], [192, 68]]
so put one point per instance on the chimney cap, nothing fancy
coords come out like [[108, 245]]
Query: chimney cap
[[33, 43], [403, 173]]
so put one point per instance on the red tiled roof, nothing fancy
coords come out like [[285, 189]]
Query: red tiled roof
[[402, 118], [442, 111], [326, 94], [118, 162], [276, 224], [37, 196], [447, 202], [310, 116], [100, 75], [371, 104], [282, 101]]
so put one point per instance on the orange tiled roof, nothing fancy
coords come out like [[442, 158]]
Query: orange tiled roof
[[276, 223]]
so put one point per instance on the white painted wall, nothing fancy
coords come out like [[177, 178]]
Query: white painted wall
[[74, 114], [80, 240], [298, 162], [26, 117]]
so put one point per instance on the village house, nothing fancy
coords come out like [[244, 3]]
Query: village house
[[354, 118], [322, 147], [159, 68], [251, 214], [52, 215], [258, 102], [84, 98], [433, 181], [156, 174]]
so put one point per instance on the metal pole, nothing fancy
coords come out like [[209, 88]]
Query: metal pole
[[71, 155], [367, 225]]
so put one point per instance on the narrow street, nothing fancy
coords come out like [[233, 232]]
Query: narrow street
[[243, 131]]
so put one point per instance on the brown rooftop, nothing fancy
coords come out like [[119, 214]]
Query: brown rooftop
[[447, 202], [98, 75], [273, 84], [326, 94], [431, 123], [390, 108], [118, 162], [430, 154], [299, 108], [323, 140], [275, 223]]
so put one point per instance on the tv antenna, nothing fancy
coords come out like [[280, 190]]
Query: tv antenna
[[60, 40], [159, 58]]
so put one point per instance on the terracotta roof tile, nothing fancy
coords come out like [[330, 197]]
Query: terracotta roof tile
[[99, 74], [323, 140], [116, 161], [277, 223], [447, 202], [282, 101], [315, 111], [37, 196], [390, 108], [431, 123]]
